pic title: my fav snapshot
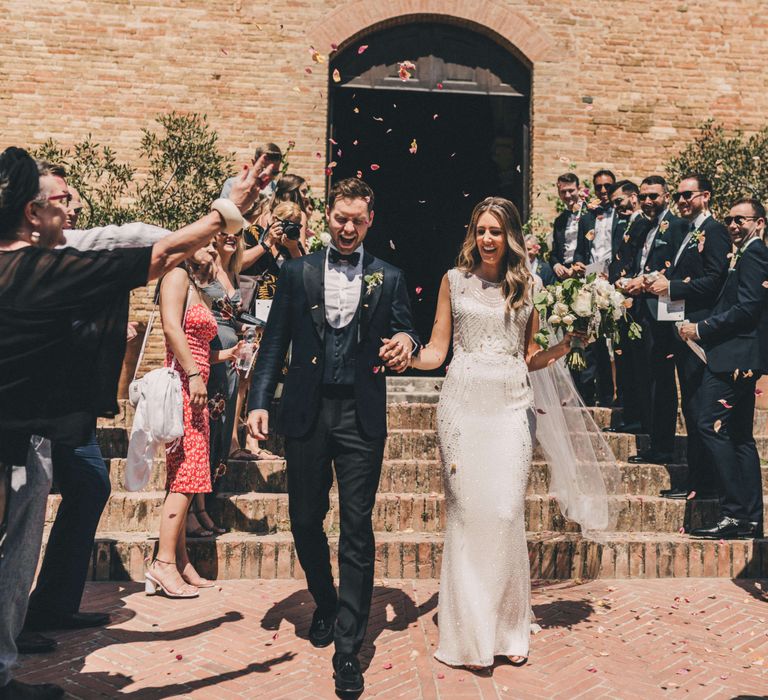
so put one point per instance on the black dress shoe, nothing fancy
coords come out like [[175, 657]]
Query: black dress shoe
[[677, 494], [651, 458], [321, 630], [29, 642], [16, 690], [727, 529], [40, 620], [347, 673]]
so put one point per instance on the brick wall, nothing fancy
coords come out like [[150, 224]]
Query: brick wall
[[622, 88]]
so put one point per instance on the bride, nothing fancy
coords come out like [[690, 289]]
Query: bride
[[486, 421]]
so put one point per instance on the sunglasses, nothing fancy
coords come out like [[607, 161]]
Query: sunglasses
[[653, 196], [738, 219], [687, 195], [619, 201], [216, 406], [224, 234], [604, 187]]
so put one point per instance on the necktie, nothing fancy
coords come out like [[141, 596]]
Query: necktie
[[335, 257]]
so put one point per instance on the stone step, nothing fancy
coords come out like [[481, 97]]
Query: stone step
[[267, 513], [410, 476], [120, 556], [418, 414]]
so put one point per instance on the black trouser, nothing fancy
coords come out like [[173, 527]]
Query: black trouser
[[83, 481], [702, 476], [595, 383], [626, 385], [654, 368], [336, 437], [727, 436]]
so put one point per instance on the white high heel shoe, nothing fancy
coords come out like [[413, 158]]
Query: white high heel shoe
[[152, 584]]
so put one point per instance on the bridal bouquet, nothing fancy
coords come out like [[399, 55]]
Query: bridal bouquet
[[592, 306]]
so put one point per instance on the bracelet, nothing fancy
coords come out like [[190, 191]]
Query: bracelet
[[194, 374], [230, 214]]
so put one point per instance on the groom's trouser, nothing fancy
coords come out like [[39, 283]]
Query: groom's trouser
[[336, 437]]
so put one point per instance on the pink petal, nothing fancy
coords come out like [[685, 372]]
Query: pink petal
[[419, 290], [387, 666], [725, 403], [375, 166], [179, 657], [361, 49]]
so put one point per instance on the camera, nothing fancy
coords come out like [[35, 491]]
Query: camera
[[291, 229], [235, 312]]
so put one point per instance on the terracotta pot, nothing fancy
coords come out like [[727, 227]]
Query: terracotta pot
[[130, 360]]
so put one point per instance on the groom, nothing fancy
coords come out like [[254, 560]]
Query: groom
[[347, 316]]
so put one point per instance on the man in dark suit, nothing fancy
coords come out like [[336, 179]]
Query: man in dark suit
[[696, 276], [653, 360], [630, 224], [565, 229], [335, 307], [735, 339]]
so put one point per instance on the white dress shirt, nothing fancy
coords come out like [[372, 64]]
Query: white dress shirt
[[602, 248], [571, 236], [343, 286], [650, 238], [695, 226]]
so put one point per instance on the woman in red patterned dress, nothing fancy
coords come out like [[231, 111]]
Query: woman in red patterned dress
[[189, 326]]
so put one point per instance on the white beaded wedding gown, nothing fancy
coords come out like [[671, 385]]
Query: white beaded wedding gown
[[485, 424]]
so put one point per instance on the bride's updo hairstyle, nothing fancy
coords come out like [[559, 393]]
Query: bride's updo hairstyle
[[517, 280]]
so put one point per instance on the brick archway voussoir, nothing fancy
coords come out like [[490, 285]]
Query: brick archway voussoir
[[352, 19]]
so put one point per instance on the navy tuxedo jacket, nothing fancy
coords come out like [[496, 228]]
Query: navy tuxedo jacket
[[735, 336], [698, 276], [297, 317]]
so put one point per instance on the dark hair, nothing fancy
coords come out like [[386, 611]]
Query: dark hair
[[626, 186], [268, 148], [757, 206], [569, 178], [655, 180], [351, 188], [702, 181], [287, 190], [19, 185], [47, 168], [601, 173]]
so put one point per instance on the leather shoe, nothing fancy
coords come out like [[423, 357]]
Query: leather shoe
[[347, 673], [651, 458], [321, 630], [29, 642], [16, 690], [727, 529], [40, 620], [677, 494]]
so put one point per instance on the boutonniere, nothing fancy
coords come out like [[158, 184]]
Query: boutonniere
[[373, 280], [663, 226], [697, 238]]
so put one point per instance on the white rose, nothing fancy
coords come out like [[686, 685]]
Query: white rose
[[582, 305], [617, 313], [568, 320], [560, 309], [554, 320], [617, 300], [325, 238], [602, 301]]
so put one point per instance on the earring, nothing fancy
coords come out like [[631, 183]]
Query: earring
[[35, 237]]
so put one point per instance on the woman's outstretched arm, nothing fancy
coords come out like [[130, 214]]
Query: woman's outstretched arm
[[433, 354], [535, 356]]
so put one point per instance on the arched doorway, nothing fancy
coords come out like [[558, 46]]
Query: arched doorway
[[464, 110]]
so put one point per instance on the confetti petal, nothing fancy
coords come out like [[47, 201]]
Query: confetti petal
[[355, 142], [439, 86], [419, 290], [541, 412], [387, 666], [334, 142], [414, 147], [718, 424], [724, 403], [435, 116], [336, 75], [392, 244], [375, 166], [378, 119], [361, 49], [179, 657], [404, 70], [359, 174], [317, 57], [308, 70], [356, 110]]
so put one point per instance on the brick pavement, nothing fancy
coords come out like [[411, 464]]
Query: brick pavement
[[692, 638]]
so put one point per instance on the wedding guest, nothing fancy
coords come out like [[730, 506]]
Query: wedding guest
[[539, 266], [273, 156], [629, 221], [271, 240], [189, 327], [735, 339], [565, 229], [47, 388], [696, 277], [653, 362]]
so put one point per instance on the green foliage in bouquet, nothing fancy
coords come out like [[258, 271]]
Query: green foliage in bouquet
[[591, 306], [736, 165]]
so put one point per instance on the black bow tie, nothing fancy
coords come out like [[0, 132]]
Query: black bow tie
[[335, 256]]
